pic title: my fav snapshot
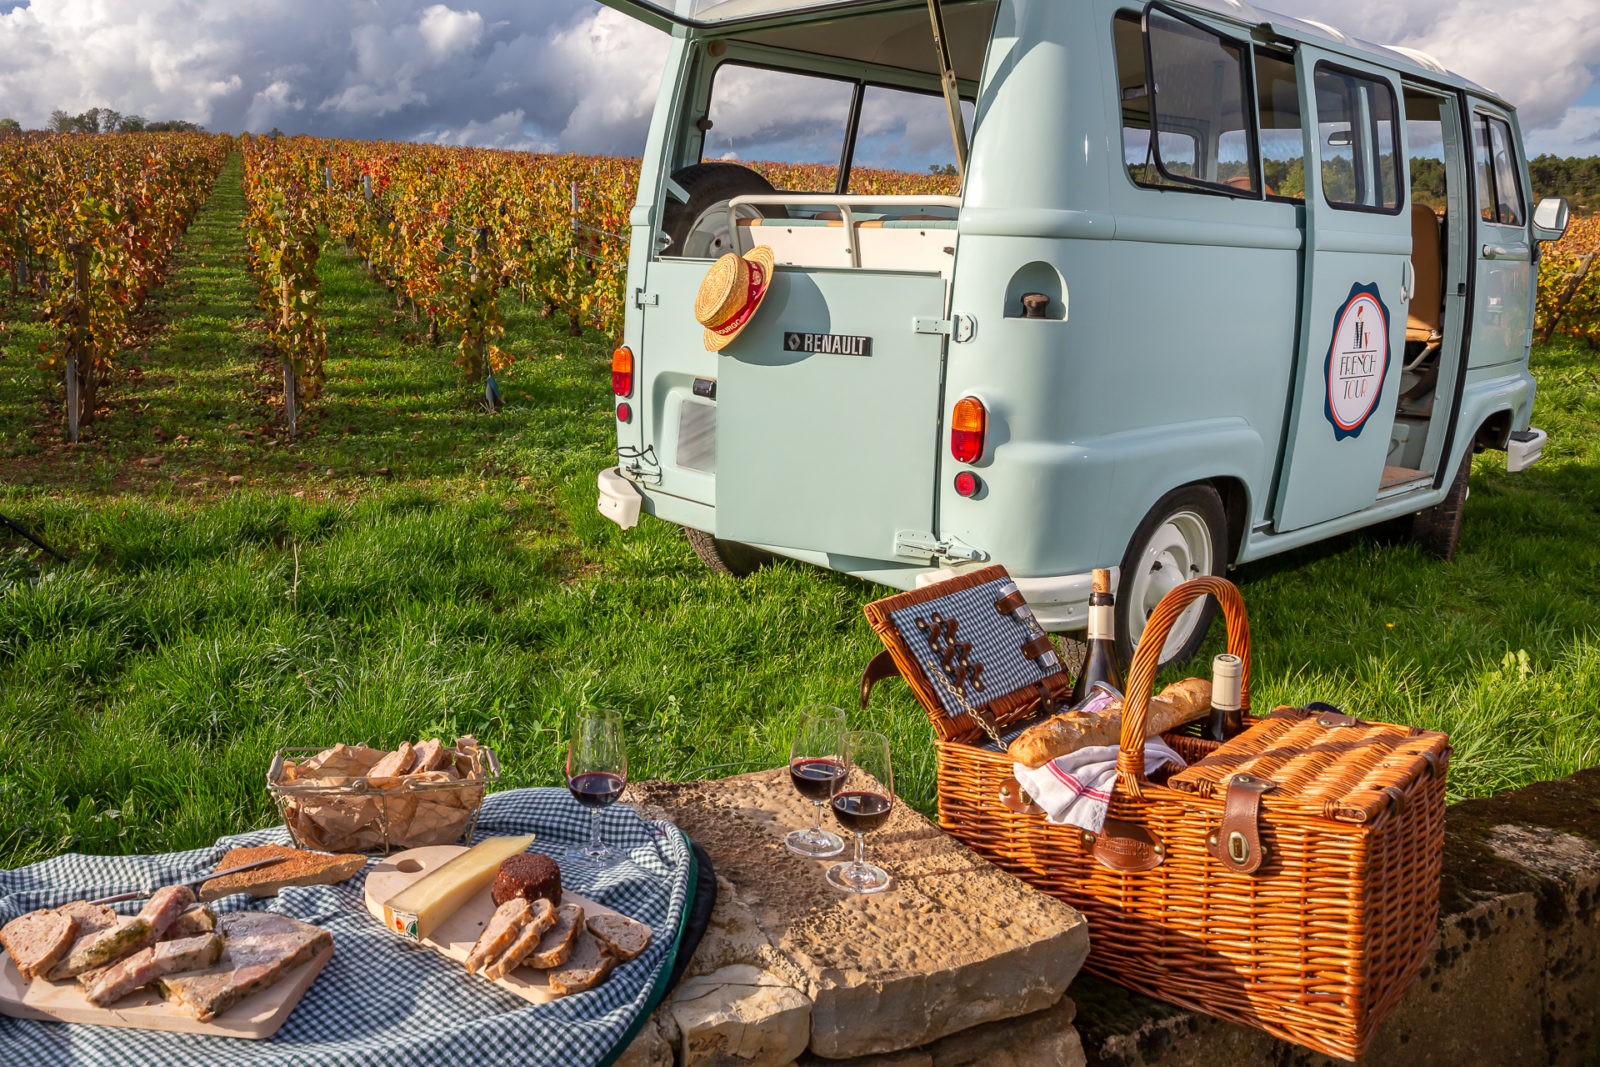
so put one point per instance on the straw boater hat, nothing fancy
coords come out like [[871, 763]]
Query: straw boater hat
[[730, 294]]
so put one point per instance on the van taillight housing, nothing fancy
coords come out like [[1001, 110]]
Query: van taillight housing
[[967, 424], [622, 371]]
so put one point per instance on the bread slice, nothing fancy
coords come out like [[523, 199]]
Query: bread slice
[[395, 763], [297, 867], [555, 947], [430, 756], [586, 968], [621, 936], [504, 925], [541, 916], [35, 941]]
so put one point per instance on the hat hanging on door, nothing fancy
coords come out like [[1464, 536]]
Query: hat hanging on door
[[730, 293]]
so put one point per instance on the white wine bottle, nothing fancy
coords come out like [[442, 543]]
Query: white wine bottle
[[1100, 662], [1227, 698]]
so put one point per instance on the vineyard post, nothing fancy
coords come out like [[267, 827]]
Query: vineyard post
[[77, 337], [289, 384], [574, 326], [491, 391]]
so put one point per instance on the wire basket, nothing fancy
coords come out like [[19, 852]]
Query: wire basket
[[354, 816]]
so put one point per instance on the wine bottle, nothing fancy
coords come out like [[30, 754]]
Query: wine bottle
[[1227, 698], [1100, 662]]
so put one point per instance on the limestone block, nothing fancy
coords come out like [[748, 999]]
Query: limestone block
[[954, 943], [740, 1015]]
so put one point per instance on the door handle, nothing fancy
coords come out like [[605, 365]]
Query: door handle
[[1502, 252], [1408, 282]]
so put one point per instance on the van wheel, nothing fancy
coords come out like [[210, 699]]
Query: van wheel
[[1184, 536], [726, 557], [699, 228], [1438, 529]]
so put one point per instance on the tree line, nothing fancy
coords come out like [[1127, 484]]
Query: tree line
[[102, 120]]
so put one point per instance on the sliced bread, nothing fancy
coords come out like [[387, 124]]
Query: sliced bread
[[555, 948], [35, 941], [621, 936], [541, 916], [586, 968], [504, 925]]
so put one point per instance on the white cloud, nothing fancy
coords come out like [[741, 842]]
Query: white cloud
[[1577, 133], [508, 130], [448, 32]]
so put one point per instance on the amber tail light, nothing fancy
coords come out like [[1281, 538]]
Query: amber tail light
[[967, 425], [622, 371]]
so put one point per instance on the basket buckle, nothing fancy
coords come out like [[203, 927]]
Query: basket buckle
[[1237, 842]]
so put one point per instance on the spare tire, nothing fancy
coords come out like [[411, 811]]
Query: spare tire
[[699, 228]]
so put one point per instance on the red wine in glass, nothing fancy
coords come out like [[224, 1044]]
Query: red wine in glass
[[861, 812], [597, 770], [816, 763], [863, 798], [597, 789]]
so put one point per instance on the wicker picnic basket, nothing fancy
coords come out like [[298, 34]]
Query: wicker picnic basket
[[1288, 879]]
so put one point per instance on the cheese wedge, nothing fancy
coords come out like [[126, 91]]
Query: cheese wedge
[[417, 910]]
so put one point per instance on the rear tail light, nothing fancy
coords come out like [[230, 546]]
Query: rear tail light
[[967, 424], [622, 371]]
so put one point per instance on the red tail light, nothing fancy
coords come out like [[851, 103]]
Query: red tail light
[[967, 424], [622, 371]]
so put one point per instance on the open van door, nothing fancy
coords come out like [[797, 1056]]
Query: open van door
[[663, 14], [1357, 283]]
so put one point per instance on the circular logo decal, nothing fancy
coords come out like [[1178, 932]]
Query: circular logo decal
[[1358, 359]]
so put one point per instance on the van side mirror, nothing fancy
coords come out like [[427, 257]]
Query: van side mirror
[[1550, 219]]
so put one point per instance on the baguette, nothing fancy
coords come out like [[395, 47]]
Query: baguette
[[1069, 731]]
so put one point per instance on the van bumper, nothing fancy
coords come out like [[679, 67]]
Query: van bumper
[[619, 501], [1059, 601], [1524, 448]]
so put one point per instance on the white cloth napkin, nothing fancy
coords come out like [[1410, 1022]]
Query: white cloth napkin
[[1075, 788]]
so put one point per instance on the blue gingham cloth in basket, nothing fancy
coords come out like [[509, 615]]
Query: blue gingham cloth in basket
[[382, 1000]]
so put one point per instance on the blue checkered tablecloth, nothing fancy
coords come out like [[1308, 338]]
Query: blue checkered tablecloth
[[381, 1000]]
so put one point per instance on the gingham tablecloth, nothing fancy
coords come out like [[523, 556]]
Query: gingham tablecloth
[[381, 1000]]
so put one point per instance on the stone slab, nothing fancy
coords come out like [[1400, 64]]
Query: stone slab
[[1514, 977], [953, 944]]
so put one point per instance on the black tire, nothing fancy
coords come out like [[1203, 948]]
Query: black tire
[[726, 557], [1186, 531], [1438, 529], [710, 186]]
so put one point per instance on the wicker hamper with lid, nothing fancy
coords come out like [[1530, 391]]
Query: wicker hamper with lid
[[1287, 879]]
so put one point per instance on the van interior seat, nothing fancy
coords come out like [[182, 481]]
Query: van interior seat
[[1423, 315]]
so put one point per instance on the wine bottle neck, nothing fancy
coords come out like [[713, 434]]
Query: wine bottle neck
[[1100, 622]]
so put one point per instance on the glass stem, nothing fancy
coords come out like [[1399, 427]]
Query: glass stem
[[594, 830], [861, 850], [816, 825]]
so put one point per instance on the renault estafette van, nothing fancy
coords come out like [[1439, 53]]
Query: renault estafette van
[[1208, 283]]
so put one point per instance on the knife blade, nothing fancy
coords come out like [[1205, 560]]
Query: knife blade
[[193, 883]]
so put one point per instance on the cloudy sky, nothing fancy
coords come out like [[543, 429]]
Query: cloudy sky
[[569, 74]]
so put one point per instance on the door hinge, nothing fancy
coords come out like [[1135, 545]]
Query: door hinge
[[958, 328], [642, 299], [918, 545]]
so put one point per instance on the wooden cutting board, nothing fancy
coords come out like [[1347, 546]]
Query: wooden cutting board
[[255, 1017], [456, 935]]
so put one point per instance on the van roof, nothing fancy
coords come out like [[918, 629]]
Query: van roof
[[1411, 60]]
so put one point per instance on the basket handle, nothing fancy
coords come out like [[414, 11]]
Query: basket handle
[[1147, 657]]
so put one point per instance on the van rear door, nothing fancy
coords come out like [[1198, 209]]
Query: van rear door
[[828, 413], [1356, 286]]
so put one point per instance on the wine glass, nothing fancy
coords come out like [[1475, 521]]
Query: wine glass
[[862, 799], [597, 770], [816, 761]]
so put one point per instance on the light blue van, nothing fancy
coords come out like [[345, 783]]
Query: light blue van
[[1213, 283]]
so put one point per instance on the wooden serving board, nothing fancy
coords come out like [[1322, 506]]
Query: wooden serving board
[[255, 1017], [456, 935]]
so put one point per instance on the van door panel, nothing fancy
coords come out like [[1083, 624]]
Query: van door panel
[[1352, 332], [1503, 252], [828, 452]]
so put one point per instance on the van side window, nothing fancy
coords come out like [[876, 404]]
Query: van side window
[[1361, 167], [903, 144], [753, 122], [1499, 189], [1282, 136], [1196, 133]]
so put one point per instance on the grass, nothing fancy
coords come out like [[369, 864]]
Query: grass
[[412, 566]]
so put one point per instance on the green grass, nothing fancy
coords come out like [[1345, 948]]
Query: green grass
[[412, 566]]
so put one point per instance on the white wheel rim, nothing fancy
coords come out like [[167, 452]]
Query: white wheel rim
[[1179, 549], [709, 237]]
